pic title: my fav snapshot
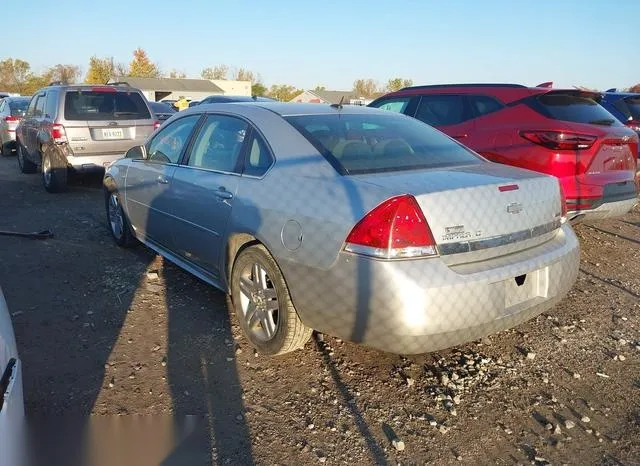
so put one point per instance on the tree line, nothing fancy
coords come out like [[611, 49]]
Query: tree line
[[17, 76]]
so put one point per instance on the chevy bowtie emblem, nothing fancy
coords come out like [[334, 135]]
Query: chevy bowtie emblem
[[514, 208]]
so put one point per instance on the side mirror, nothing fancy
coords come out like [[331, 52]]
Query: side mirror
[[136, 152]]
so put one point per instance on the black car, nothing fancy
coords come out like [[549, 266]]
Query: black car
[[162, 110]]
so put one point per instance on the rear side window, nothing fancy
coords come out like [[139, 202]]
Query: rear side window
[[484, 105], [575, 108], [258, 158], [633, 108], [104, 105], [18, 107], [371, 143], [398, 105], [443, 110]]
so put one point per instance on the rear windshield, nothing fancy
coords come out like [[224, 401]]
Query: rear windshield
[[371, 143], [576, 108], [160, 107], [18, 107], [96, 105]]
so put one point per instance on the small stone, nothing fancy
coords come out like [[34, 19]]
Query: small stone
[[548, 426], [569, 424], [621, 357], [585, 419], [453, 412], [152, 275], [600, 440], [398, 444], [455, 376], [433, 423], [540, 459], [322, 459], [310, 426], [456, 399], [443, 429], [545, 380], [508, 431], [444, 379], [602, 374], [531, 355], [239, 417], [111, 385], [557, 430], [164, 361], [459, 457], [186, 393], [229, 359], [576, 375], [589, 431], [622, 341], [410, 382], [238, 350]]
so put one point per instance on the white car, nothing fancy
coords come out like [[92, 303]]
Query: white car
[[12, 420]]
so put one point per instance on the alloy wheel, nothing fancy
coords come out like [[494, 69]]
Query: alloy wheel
[[259, 302], [116, 221]]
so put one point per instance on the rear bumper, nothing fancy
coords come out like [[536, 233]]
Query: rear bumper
[[416, 306], [617, 200], [92, 163]]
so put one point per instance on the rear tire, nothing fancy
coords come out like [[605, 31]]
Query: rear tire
[[263, 305], [54, 170], [117, 222], [25, 165], [5, 149]]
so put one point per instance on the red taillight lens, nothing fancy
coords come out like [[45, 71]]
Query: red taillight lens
[[559, 140], [394, 229], [58, 134], [634, 125], [11, 118], [156, 125]]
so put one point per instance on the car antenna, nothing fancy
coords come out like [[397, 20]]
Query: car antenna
[[338, 105]]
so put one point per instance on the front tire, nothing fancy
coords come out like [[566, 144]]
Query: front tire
[[117, 221], [263, 305], [54, 171], [25, 165]]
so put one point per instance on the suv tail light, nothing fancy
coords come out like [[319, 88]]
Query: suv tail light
[[58, 134], [560, 140], [393, 230], [156, 125], [11, 118]]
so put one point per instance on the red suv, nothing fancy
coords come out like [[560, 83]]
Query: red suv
[[564, 133]]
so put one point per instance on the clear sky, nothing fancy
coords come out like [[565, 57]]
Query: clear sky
[[593, 43]]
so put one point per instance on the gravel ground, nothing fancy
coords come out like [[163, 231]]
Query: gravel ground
[[104, 331]]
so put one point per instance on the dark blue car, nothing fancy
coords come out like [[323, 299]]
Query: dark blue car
[[625, 106]]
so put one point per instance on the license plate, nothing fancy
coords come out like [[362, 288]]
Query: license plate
[[112, 133]]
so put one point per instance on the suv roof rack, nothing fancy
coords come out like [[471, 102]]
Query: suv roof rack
[[433, 86], [57, 83], [119, 83]]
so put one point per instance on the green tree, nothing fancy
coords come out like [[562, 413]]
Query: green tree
[[67, 74], [242, 74], [14, 74], [100, 71], [259, 89], [365, 87], [217, 72], [283, 92], [395, 84], [141, 66], [320, 88]]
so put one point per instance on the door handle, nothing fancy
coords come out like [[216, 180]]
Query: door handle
[[222, 193], [162, 180]]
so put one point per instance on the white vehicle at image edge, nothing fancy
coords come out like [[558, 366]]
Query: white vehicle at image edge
[[12, 420]]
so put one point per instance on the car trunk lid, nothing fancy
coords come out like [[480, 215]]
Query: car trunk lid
[[480, 211]]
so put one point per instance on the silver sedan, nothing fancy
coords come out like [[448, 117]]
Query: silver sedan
[[356, 222]]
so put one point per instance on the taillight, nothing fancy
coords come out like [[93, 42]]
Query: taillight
[[634, 125], [560, 140], [156, 125], [395, 229], [563, 201], [58, 134], [11, 118]]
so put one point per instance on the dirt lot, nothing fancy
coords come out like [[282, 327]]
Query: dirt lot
[[106, 331]]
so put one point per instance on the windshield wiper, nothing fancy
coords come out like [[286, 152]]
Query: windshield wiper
[[604, 121]]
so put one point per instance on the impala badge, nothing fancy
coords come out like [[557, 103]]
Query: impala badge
[[514, 208]]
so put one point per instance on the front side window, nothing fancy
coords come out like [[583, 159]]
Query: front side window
[[371, 143], [168, 144], [50, 108], [32, 106], [443, 110], [219, 144]]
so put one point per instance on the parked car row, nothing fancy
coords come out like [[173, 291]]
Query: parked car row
[[370, 224], [561, 132]]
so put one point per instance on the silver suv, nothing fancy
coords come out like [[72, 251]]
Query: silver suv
[[80, 127]]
